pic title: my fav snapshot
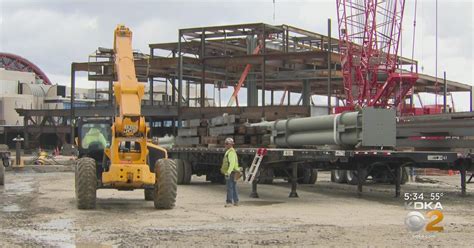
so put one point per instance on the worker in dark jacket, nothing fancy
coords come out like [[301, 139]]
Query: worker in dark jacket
[[230, 168]]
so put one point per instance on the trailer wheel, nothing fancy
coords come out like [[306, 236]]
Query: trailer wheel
[[166, 184], [86, 183], [304, 175], [339, 176], [404, 176], [405, 173], [314, 176], [188, 172], [149, 194], [180, 171], [2, 174], [267, 176], [216, 178], [353, 177], [309, 176]]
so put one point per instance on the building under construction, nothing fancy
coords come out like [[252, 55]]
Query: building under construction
[[264, 59]]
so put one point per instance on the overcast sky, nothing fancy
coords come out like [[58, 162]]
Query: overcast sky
[[54, 33]]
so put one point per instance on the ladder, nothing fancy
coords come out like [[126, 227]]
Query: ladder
[[252, 172]]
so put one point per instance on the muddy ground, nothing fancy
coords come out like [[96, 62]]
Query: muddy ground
[[38, 209]]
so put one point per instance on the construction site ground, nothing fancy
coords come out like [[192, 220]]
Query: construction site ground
[[38, 209]]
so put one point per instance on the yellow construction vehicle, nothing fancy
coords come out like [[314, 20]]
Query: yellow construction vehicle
[[114, 153]]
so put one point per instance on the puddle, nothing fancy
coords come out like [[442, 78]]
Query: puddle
[[58, 239], [59, 224], [18, 188], [55, 233], [240, 228], [11, 208]]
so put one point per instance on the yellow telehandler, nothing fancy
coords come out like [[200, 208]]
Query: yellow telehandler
[[115, 153]]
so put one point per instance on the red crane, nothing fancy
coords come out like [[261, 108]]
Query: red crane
[[369, 34]]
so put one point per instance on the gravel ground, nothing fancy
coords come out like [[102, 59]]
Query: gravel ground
[[38, 209]]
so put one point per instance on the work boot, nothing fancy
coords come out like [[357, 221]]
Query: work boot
[[228, 205], [236, 204]]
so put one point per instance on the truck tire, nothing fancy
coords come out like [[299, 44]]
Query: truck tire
[[188, 172], [149, 193], [304, 175], [404, 176], [268, 175], [216, 178], [314, 176], [166, 184], [86, 183], [2, 174], [339, 176], [352, 177], [180, 171], [405, 173]]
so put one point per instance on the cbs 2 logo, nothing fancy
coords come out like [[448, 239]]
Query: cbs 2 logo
[[415, 221]]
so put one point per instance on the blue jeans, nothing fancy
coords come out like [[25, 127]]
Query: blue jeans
[[231, 189]]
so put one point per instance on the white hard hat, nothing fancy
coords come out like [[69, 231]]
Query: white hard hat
[[229, 140]]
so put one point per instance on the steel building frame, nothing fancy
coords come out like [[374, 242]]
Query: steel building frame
[[292, 60]]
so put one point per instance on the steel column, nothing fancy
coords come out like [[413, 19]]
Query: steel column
[[150, 80], [180, 78], [306, 93], [203, 76], [73, 93], [251, 84], [445, 92], [173, 86], [272, 97], [329, 67], [471, 99]]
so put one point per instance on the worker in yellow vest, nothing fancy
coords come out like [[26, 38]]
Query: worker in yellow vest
[[231, 170]]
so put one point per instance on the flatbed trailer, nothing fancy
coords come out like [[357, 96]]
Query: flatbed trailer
[[207, 161]]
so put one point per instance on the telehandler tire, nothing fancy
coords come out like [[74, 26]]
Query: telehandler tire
[[86, 183], [166, 184], [149, 194]]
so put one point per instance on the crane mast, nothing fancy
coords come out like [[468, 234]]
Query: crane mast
[[369, 35]]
